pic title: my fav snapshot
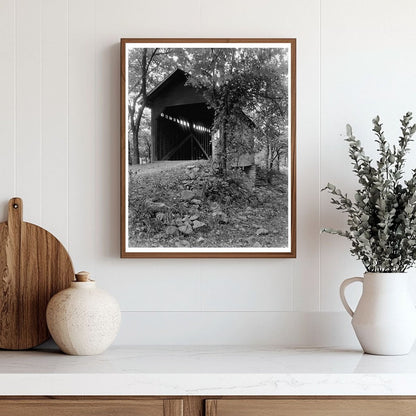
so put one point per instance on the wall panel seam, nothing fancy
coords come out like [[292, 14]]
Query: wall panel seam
[[95, 250], [41, 51], [15, 102], [319, 154], [67, 125]]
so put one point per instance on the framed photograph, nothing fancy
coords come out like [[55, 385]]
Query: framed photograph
[[208, 133]]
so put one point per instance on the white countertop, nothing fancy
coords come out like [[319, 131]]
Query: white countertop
[[207, 371]]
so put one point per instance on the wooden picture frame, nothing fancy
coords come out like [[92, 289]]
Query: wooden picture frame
[[207, 148]]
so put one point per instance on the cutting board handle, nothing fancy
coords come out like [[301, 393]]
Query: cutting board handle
[[15, 214]]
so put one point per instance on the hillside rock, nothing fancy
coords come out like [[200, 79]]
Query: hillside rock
[[171, 230], [198, 225], [187, 195], [182, 243], [186, 229], [155, 206]]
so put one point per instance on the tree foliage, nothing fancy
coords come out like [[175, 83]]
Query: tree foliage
[[382, 215], [246, 88]]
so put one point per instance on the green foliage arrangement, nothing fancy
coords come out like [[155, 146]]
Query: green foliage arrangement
[[382, 216]]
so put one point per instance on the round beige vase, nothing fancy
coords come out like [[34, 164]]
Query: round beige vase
[[385, 318], [83, 320]]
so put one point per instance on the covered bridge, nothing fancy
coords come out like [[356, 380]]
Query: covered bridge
[[181, 121]]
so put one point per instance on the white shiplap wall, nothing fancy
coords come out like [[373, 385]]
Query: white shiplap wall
[[59, 132]]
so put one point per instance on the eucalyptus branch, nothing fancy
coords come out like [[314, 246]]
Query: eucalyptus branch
[[382, 216]]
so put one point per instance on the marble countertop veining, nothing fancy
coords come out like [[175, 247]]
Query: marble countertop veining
[[207, 370]]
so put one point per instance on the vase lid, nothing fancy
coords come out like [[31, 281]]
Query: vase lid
[[83, 277]]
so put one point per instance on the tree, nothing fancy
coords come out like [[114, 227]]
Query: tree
[[147, 67], [272, 137], [242, 86], [145, 139], [271, 115], [139, 69]]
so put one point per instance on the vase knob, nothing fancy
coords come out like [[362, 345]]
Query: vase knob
[[82, 276]]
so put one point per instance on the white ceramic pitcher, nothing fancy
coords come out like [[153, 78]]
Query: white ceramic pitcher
[[385, 318]]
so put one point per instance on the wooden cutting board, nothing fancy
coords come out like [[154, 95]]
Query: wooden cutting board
[[34, 266]]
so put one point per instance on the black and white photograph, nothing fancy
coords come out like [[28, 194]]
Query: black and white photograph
[[208, 148]]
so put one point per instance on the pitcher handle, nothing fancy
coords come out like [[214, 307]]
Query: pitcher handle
[[342, 288]]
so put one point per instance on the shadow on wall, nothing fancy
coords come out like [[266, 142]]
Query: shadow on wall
[[107, 145]]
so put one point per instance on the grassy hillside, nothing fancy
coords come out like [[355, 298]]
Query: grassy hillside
[[188, 206]]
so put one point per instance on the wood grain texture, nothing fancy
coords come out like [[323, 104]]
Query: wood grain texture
[[311, 407], [211, 407], [82, 407], [193, 406], [34, 266], [123, 148], [172, 407]]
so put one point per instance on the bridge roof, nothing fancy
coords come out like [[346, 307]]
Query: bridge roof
[[176, 77]]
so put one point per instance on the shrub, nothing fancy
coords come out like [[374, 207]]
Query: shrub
[[225, 189]]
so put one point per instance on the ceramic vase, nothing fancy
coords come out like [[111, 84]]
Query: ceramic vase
[[83, 320], [385, 318]]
